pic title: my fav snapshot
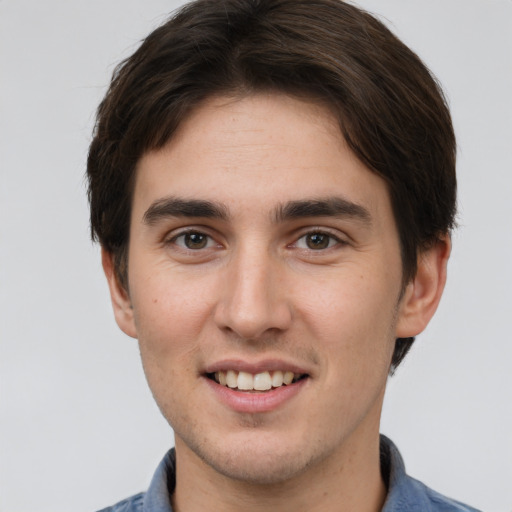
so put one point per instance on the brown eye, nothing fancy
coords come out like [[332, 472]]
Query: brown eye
[[317, 241], [195, 240]]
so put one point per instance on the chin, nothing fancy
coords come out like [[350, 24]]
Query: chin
[[257, 462], [259, 469]]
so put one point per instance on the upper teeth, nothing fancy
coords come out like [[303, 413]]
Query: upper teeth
[[260, 382]]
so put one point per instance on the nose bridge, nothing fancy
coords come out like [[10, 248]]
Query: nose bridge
[[253, 301]]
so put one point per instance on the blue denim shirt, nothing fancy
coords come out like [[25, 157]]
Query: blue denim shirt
[[405, 494]]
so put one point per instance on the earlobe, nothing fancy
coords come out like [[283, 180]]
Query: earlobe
[[121, 303], [423, 293]]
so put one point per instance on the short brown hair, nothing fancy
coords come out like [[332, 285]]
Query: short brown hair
[[390, 109]]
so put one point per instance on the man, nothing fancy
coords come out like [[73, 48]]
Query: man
[[273, 186]]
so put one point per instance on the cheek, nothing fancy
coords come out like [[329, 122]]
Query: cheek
[[168, 328], [353, 316], [169, 316]]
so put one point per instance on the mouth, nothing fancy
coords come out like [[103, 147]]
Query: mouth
[[259, 382]]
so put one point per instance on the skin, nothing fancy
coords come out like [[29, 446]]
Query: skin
[[261, 290]]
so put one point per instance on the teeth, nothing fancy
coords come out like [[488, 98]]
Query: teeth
[[245, 381], [231, 379], [277, 379], [288, 378], [220, 377], [263, 381]]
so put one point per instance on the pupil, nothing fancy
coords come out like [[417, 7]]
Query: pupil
[[318, 241], [195, 240]]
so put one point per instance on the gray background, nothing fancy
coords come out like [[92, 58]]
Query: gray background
[[78, 427]]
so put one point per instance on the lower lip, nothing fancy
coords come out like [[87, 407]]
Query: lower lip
[[255, 402]]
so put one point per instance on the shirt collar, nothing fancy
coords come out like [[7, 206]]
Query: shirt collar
[[404, 493], [158, 496]]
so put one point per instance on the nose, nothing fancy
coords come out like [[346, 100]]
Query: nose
[[253, 300]]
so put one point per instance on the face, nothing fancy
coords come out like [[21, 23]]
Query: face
[[261, 251]]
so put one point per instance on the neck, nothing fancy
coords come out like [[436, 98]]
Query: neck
[[346, 481]]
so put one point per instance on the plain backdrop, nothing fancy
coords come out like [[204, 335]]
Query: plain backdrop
[[78, 426]]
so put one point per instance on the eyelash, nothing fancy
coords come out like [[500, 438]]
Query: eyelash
[[191, 232], [332, 240]]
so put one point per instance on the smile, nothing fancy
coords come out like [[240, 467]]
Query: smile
[[263, 381]]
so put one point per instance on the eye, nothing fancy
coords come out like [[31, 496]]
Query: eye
[[317, 241], [193, 240]]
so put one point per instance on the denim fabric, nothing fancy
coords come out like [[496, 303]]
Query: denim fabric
[[405, 494]]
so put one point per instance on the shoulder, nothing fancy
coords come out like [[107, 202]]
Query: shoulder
[[406, 494], [132, 504], [158, 495], [436, 501]]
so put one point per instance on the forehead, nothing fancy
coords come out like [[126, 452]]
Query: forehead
[[258, 150]]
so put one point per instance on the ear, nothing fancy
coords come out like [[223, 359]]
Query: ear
[[423, 292], [121, 303]]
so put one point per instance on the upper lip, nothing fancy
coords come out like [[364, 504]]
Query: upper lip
[[255, 367]]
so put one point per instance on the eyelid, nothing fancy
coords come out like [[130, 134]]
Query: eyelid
[[172, 236], [339, 237]]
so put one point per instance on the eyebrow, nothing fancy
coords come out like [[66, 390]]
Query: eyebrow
[[176, 207], [322, 207]]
